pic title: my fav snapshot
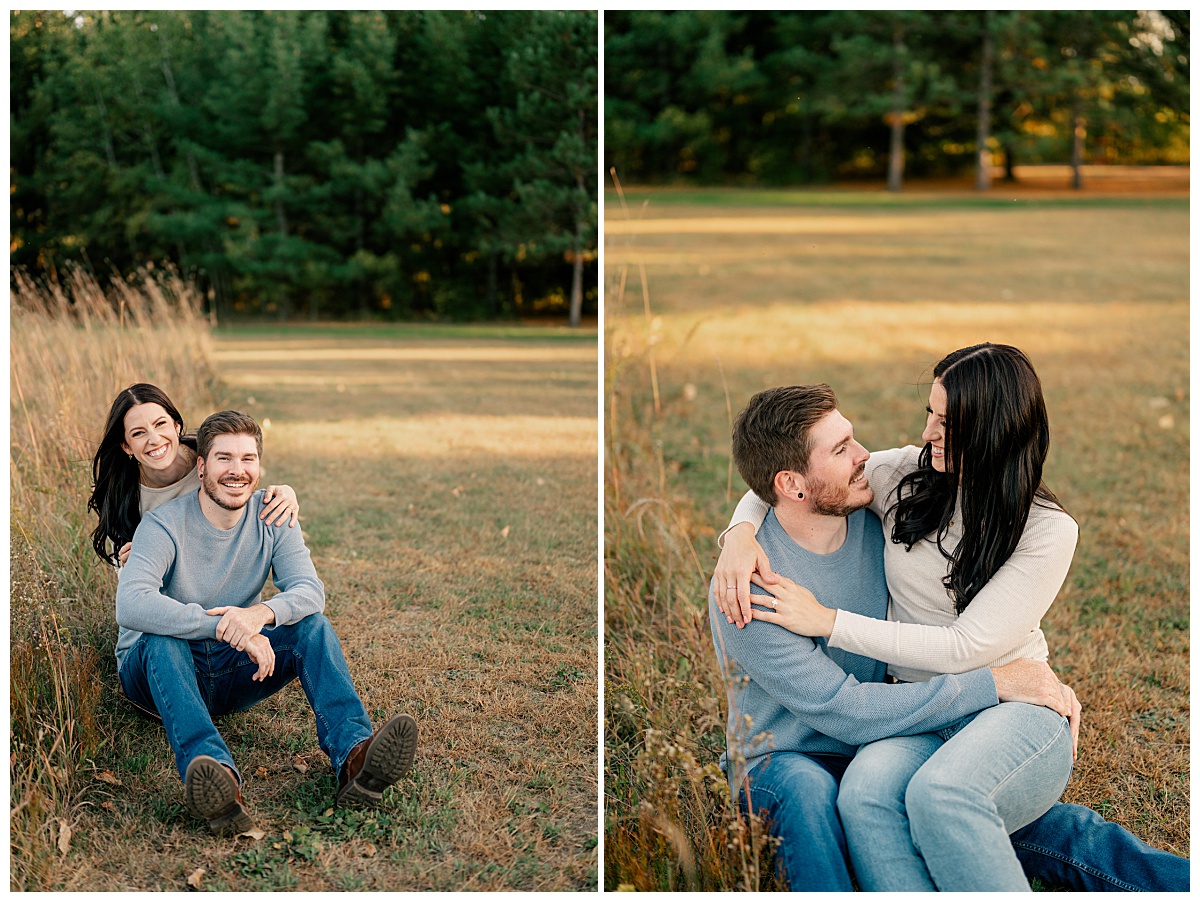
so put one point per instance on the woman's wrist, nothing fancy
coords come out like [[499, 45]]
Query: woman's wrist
[[828, 621], [744, 529]]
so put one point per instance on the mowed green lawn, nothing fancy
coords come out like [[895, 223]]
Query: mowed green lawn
[[868, 296], [447, 482]]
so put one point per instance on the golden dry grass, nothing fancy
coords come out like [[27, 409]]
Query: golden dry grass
[[448, 494], [1096, 294], [72, 349], [455, 532]]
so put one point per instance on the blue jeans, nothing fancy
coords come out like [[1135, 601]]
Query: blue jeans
[[1068, 846], [1074, 847], [934, 811], [189, 682], [797, 794]]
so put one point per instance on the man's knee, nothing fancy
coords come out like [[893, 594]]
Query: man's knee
[[313, 634], [166, 650], [314, 625]]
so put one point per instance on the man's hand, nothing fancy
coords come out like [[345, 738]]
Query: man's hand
[[239, 625], [258, 647], [1034, 683], [741, 556]]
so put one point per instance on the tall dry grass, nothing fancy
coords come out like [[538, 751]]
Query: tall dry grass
[[670, 821], [74, 345]]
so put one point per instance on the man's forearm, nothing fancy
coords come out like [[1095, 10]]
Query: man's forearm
[[160, 615]]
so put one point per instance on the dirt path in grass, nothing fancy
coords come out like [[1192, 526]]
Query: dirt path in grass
[[448, 494]]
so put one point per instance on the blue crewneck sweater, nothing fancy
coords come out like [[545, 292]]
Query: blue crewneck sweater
[[181, 565], [791, 693]]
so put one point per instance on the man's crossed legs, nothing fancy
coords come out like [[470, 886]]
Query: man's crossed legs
[[189, 682]]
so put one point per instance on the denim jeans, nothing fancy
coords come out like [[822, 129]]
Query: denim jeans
[[797, 793], [1069, 846], [934, 811], [189, 682], [1074, 847]]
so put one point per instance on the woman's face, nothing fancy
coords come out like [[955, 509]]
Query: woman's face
[[151, 436], [935, 425]]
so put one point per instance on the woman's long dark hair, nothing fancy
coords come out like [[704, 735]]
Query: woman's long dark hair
[[116, 498], [997, 436]]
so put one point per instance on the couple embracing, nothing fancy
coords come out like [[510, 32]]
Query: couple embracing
[[195, 541], [877, 621]]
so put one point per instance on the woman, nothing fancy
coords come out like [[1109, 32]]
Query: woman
[[979, 550], [145, 460]]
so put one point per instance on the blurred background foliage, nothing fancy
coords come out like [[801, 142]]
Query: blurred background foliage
[[322, 164], [786, 97]]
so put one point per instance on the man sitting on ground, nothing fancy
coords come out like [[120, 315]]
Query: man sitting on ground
[[197, 641]]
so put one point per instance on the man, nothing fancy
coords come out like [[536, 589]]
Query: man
[[197, 641], [798, 709]]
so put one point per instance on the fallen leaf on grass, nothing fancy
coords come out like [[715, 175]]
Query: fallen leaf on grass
[[299, 766], [369, 851], [456, 491], [64, 836], [107, 806], [253, 833], [195, 877], [504, 533], [107, 776], [260, 772]]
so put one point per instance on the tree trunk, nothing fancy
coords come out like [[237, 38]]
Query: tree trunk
[[492, 305], [193, 169], [896, 152], [1080, 132], [285, 292], [106, 132], [1010, 161], [577, 279], [983, 171]]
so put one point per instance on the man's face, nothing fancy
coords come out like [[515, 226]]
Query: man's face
[[836, 477], [230, 472]]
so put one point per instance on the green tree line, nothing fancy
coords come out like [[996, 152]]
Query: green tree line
[[314, 163], [792, 97]]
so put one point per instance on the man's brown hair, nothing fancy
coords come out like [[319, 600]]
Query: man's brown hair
[[771, 434], [226, 422]]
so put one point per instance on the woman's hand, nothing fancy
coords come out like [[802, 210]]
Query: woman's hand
[[1073, 718], [795, 609], [123, 553], [741, 556], [280, 500]]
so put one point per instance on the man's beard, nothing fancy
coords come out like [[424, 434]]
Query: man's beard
[[209, 486], [832, 502]]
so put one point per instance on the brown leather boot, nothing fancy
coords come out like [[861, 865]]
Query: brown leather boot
[[376, 763], [212, 793]]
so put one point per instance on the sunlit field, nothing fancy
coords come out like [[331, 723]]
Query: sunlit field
[[709, 301], [447, 483]]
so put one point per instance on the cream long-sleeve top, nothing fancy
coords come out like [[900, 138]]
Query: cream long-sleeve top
[[923, 635]]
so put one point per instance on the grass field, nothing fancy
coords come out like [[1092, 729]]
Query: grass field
[[447, 482], [713, 297]]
